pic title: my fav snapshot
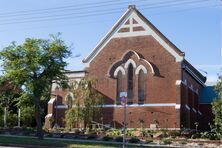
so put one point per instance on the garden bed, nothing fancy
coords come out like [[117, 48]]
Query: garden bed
[[134, 136]]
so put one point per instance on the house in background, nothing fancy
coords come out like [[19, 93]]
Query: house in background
[[163, 88]]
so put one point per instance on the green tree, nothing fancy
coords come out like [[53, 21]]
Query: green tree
[[72, 117], [87, 104], [28, 116], [8, 95], [33, 66], [217, 109], [1, 115]]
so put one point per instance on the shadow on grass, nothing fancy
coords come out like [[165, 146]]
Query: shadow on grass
[[35, 142]]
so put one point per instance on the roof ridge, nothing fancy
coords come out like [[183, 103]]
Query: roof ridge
[[132, 8]]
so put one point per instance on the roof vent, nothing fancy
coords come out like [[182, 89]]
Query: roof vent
[[132, 7]]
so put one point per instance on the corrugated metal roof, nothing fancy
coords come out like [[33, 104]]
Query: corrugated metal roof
[[207, 94]]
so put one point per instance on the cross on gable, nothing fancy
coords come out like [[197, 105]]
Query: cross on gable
[[131, 25]]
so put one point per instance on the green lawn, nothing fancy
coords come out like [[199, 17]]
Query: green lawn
[[6, 140], [31, 141]]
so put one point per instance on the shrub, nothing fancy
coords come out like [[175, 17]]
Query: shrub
[[204, 135], [217, 109], [174, 133], [188, 133], [163, 133], [87, 131], [114, 132], [149, 140], [129, 133], [149, 133], [143, 132], [195, 136], [107, 138], [210, 135], [134, 140], [76, 131], [166, 141], [182, 142], [71, 117], [119, 139], [28, 116], [11, 118], [146, 133]]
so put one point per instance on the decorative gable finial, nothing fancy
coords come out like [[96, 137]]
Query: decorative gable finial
[[132, 7]]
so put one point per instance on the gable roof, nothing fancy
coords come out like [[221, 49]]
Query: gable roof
[[150, 29], [194, 73]]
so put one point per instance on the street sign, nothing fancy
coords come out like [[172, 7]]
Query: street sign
[[123, 94], [123, 98]]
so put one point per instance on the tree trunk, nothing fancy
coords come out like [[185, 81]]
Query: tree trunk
[[5, 117], [39, 132]]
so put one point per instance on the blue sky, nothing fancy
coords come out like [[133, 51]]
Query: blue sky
[[194, 26]]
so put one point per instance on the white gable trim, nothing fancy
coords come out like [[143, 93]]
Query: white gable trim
[[120, 68], [102, 43], [148, 31], [130, 61], [141, 67], [113, 33]]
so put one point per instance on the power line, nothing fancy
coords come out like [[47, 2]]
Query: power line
[[87, 14], [108, 20], [60, 18], [67, 14], [70, 7], [176, 4], [186, 9], [81, 8]]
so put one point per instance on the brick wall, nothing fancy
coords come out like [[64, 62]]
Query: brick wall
[[189, 97], [160, 88]]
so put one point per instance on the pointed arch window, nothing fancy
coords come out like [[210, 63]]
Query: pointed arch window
[[119, 85], [130, 82], [141, 86]]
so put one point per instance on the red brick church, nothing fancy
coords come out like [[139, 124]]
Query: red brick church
[[163, 88]]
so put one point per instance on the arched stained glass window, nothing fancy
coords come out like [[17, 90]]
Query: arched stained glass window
[[130, 82], [119, 85], [141, 86]]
